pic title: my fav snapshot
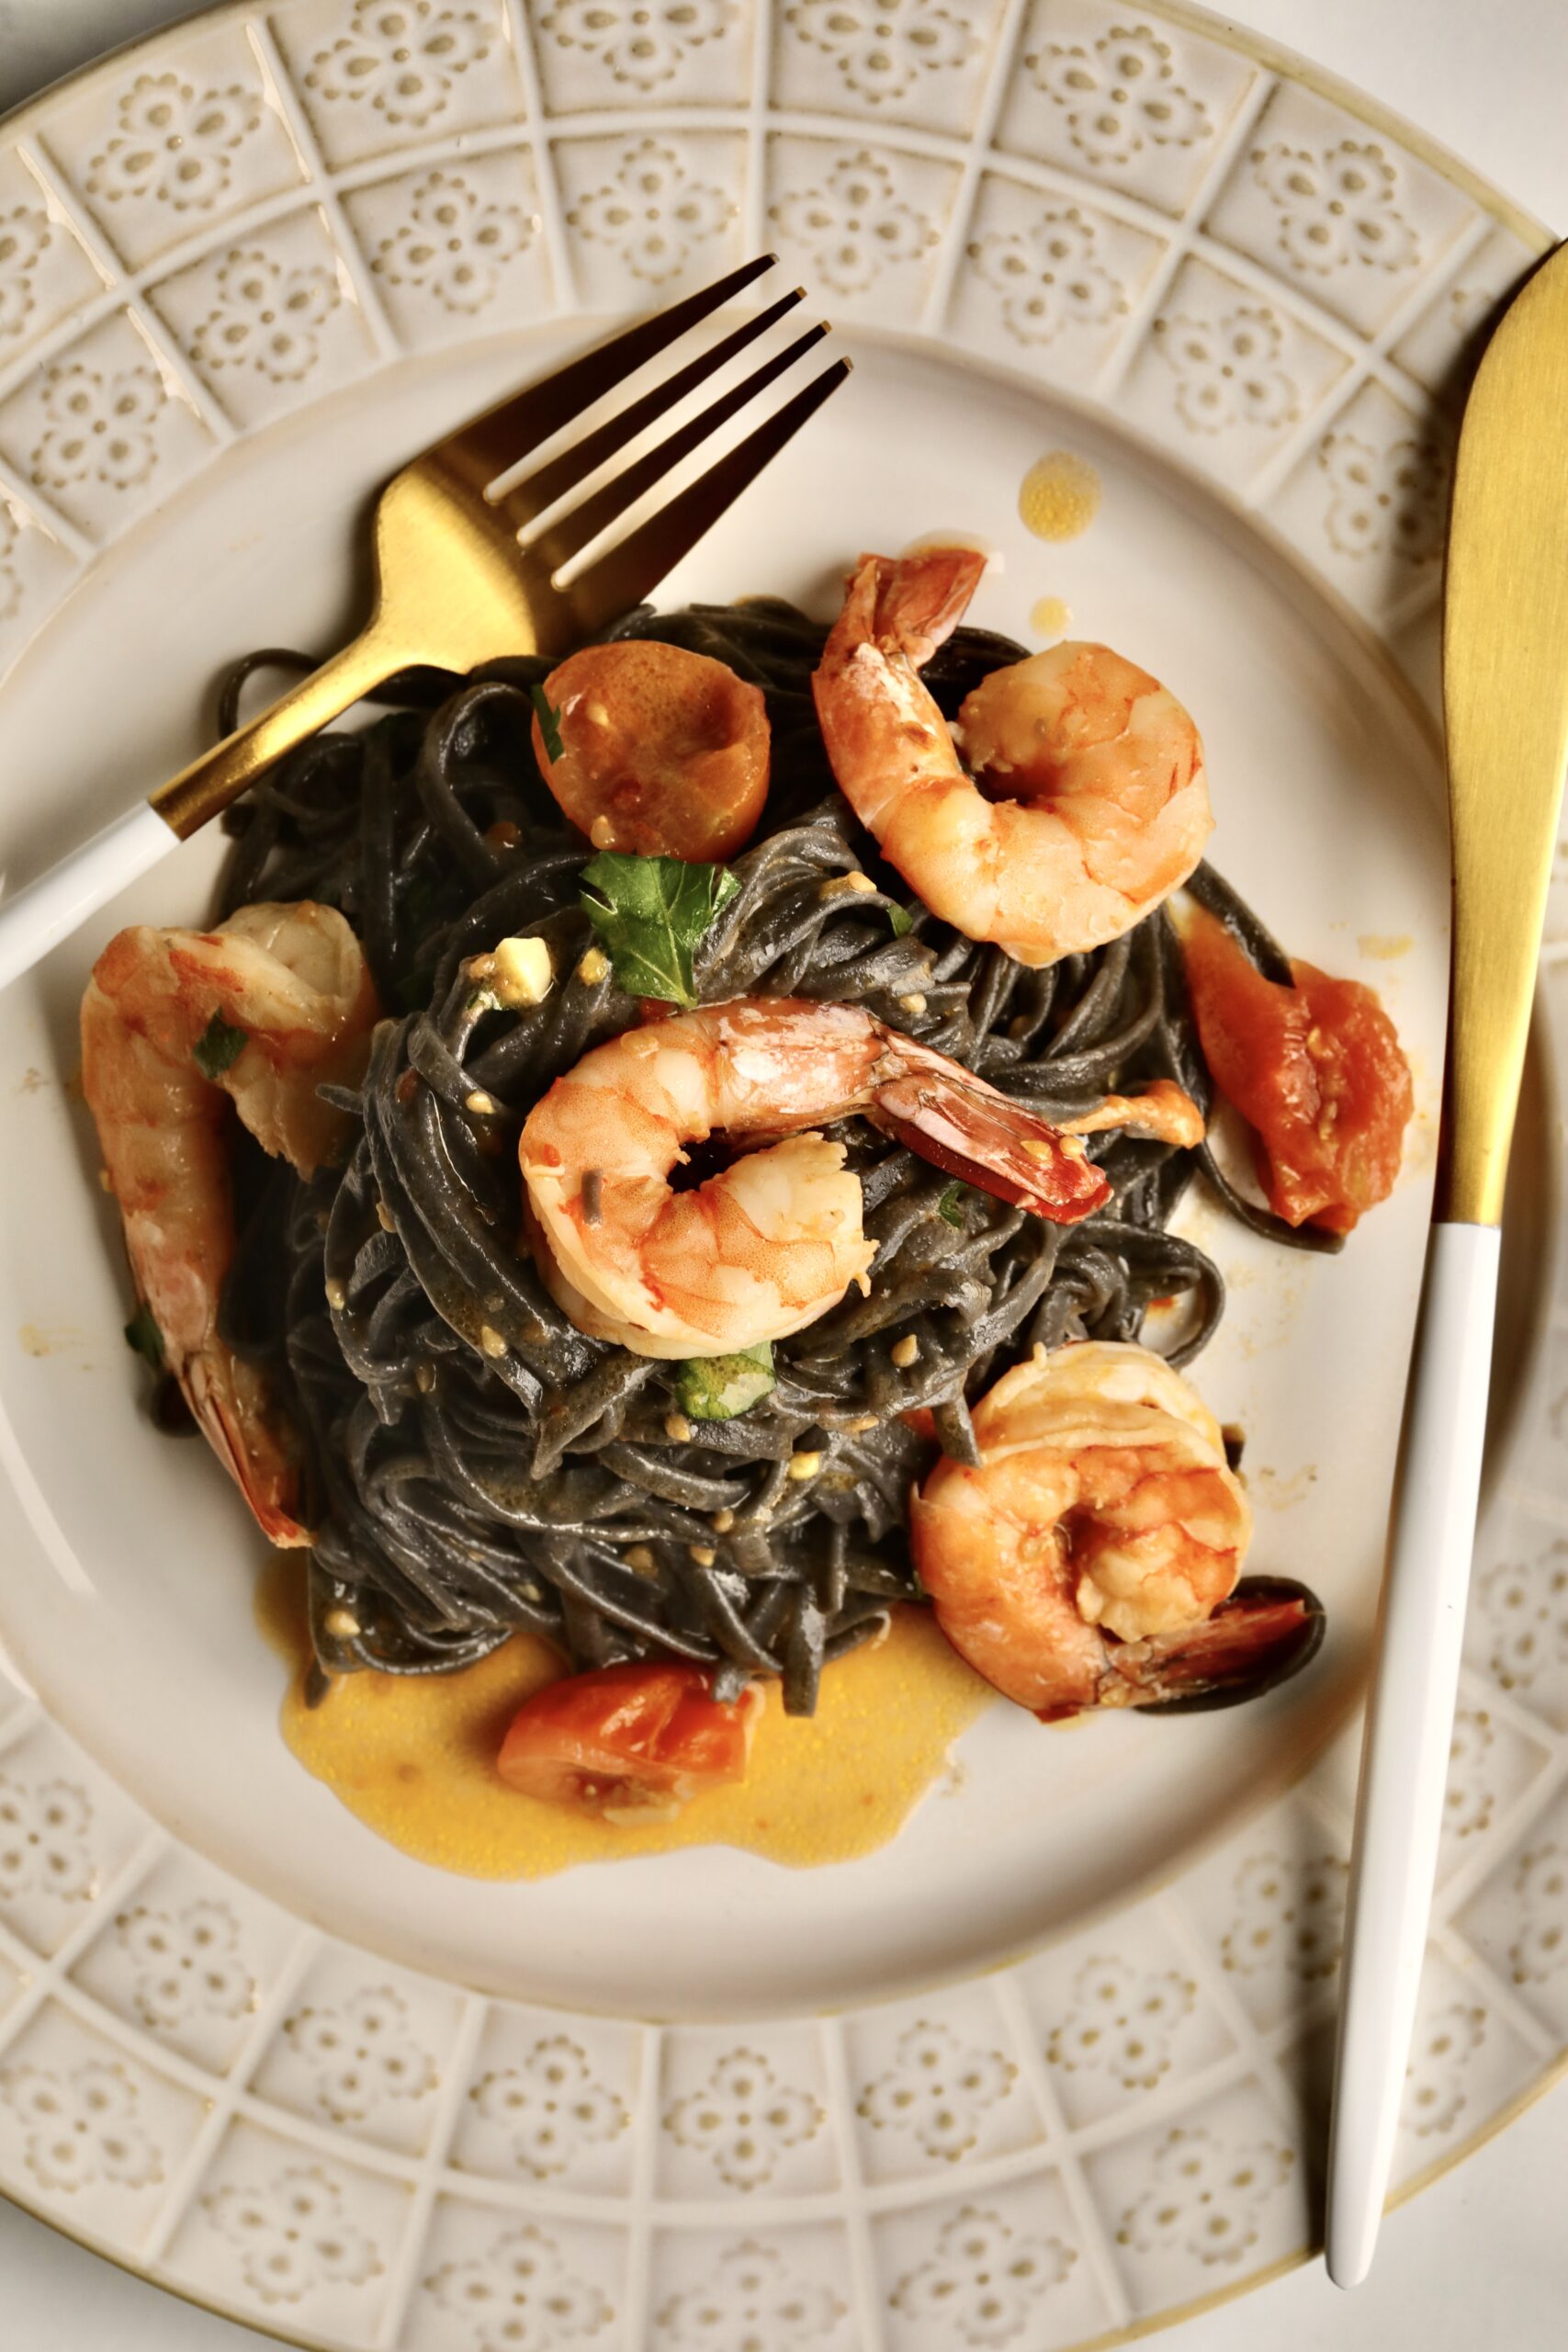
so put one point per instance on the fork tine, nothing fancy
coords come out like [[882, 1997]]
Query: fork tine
[[557, 475], [626, 574], [507, 431], [584, 523]]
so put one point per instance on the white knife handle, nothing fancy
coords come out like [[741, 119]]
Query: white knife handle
[[1405, 1756], [46, 910]]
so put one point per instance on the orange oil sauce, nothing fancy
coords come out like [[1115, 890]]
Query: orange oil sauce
[[413, 1757], [1049, 616], [1060, 495]]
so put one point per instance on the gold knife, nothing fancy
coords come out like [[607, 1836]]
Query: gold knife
[[1506, 705]]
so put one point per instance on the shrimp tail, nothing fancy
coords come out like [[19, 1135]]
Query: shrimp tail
[[1164, 1111], [912, 603], [229, 1401], [991, 1142], [1263, 1634]]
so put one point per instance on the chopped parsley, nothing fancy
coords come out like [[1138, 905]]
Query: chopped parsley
[[716, 1388], [143, 1334], [950, 1208], [651, 915], [902, 920], [219, 1048], [549, 723]]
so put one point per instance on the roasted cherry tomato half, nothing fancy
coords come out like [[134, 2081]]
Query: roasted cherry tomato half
[[628, 1740], [1316, 1070], [662, 752]]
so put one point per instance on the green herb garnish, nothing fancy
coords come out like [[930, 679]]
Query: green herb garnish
[[549, 723], [143, 1334], [950, 1208], [651, 915], [902, 920], [219, 1048], [716, 1388]]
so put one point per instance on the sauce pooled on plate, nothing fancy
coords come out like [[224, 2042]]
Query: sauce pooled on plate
[[413, 1757]]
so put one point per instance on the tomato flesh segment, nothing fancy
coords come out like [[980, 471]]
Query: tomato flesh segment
[[664, 753], [1316, 1071], [628, 1741]]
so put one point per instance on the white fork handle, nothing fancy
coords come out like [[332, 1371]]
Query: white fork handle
[[47, 911], [1404, 1758]]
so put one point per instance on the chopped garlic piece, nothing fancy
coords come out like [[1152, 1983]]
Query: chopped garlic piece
[[520, 973]]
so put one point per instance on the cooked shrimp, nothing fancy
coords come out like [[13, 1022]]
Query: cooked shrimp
[[1082, 1563], [1091, 807], [769, 1243], [1163, 1111], [272, 1003]]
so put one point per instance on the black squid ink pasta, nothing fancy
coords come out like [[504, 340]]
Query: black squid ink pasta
[[475, 1464]]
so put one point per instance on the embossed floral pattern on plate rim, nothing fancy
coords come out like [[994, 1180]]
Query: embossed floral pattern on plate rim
[[538, 2107]]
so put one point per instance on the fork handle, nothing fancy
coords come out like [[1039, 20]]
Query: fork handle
[[53, 907], [37, 918], [1399, 1811]]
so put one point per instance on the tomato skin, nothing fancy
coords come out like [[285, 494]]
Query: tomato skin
[[629, 1738], [664, 752], [1316, 1070]]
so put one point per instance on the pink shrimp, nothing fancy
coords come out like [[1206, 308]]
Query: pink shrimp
[[769, 1243], [1091, 805], [1091, 1557], [265, 1009]]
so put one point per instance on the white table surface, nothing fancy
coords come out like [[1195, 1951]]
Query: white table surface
[[1483, 2254]]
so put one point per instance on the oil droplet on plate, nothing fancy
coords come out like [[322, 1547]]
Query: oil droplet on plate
[[1060, 496], [1049, 616], [1382, 947]]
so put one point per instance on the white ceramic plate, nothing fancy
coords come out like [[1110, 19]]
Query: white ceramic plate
[[244, 2046]]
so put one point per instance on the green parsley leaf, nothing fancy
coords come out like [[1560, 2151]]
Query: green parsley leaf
[[950, 1208], [651, 915], [219, 1048], [549, 723], [716, 1388], [143, 1334], [902, 920]]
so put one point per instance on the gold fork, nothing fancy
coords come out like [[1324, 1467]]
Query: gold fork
[[455, 587]]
